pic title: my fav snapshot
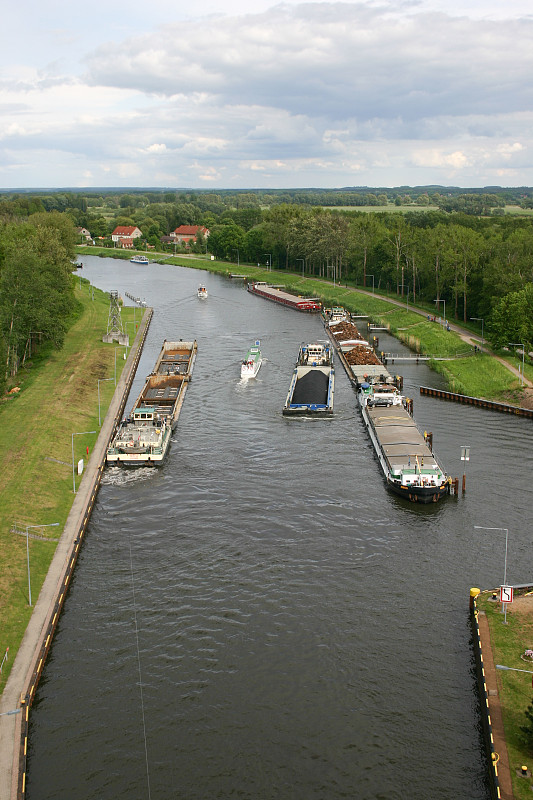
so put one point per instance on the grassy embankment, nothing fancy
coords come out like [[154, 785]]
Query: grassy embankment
[[508, 644], [477, 376], [58, 397]]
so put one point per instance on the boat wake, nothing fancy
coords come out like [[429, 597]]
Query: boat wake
[[117, 476]]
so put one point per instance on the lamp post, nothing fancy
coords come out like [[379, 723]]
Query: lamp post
[[483, 528], [442, 301], [269, 261], [101, 380], [480, 319], [81, 433], [515, 344], [49, 525], [513, 669], [371, 276], [303, 264]]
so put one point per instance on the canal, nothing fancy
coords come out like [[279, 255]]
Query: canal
[[259, 618]]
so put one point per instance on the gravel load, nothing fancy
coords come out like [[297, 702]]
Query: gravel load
[[345, 330], [361, 356], [311, 388]]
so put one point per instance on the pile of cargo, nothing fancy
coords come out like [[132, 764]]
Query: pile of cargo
[[345, 330], [361, 356]]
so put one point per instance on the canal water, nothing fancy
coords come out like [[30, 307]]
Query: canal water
[[259, 618]]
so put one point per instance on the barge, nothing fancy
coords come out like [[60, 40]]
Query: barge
[[278, 295], [410, 468], [313, 382], [143, 438]]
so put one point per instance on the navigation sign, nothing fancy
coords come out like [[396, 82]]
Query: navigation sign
[[506, 594], [465, 454]]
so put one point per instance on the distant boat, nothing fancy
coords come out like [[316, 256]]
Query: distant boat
[[139, 260], [202, 291], [252, 363]]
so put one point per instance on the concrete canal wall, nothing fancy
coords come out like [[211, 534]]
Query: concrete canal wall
[[491, 715], [504, 408], [19, 692]]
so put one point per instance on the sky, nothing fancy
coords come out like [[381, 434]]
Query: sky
[[255, 94]]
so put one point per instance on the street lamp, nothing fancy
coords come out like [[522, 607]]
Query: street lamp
[[303, 264], [101, 380], [442, 301], [371, 276], [514, 344], [82, 433], [480, 319], [49, 525], [483, 528], [269, 261], [513, 669]]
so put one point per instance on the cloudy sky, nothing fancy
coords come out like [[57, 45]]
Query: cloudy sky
[[251, 93]]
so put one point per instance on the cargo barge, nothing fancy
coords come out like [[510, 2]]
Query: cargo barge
[[143, 438], [313, 382], [277, 295], [405, 455]]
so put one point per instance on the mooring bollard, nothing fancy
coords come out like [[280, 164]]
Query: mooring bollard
[[473, 594]]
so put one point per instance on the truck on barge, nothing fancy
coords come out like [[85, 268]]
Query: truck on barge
[[143, 438], [313, 382], [406, 458], [278, 295]]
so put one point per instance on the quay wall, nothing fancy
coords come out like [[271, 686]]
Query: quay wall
[[493, 756], [19, 692], [476, 401]]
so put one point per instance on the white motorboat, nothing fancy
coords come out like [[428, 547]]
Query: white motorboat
[[252, 363]]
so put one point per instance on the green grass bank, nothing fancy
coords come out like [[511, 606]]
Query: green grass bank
[[57, 397], [508, 643]]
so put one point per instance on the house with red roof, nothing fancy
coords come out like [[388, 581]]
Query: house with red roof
[[188, 233], [123, 235]]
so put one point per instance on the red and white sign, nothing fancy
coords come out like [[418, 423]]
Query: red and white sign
[[506, 594]]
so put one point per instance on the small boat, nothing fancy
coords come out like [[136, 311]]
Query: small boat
[[252, 363], [143, 438], [139, 260], [313, 381], [202, 291]]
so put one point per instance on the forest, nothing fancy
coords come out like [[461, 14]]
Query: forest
[[36, 286], [428, 245]]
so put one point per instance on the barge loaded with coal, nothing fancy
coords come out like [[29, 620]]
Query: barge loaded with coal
[[143, 438], [278, 295], [405, 455], [313, 382]]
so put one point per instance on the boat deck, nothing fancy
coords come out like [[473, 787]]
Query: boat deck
[[401, 441]]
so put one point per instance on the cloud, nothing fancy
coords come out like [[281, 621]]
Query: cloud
[[298, 94], [342, 61]]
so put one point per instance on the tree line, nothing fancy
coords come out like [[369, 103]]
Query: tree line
[[475, 265], [36, 286]]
